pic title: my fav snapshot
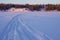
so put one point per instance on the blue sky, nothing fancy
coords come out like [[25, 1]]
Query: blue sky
[[31, 1]]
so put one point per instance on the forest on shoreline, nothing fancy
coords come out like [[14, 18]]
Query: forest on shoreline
[[37, 7]]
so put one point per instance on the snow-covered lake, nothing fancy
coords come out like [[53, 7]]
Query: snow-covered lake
[[30, 25]]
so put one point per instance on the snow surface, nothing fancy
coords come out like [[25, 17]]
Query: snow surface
[[29, 25], [18, 10]]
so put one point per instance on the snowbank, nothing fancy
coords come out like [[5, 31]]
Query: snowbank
[[18, 10]]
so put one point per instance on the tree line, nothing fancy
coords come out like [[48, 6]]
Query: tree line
[[46, 7]]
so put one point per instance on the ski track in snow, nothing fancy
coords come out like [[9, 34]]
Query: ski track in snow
[[14, 25], [16, 29]]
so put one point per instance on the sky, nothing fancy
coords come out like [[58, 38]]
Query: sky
[[31, 1]]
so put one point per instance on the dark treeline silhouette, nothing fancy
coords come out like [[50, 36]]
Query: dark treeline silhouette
[[5, 6], [46, 7]]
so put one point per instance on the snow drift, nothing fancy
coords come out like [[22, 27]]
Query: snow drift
[[18, 10]]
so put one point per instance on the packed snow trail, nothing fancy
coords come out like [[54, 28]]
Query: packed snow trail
[[18, 30]]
